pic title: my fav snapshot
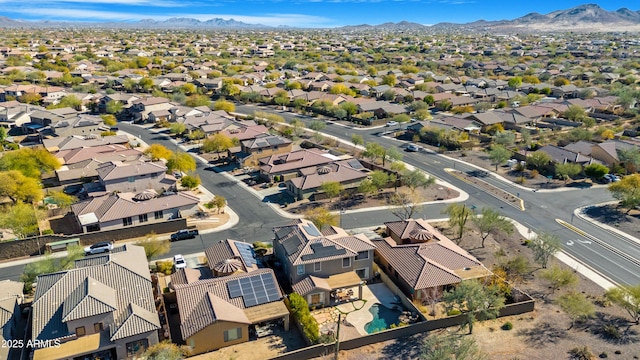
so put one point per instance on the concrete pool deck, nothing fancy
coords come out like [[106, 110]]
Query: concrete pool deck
[[374, 294]]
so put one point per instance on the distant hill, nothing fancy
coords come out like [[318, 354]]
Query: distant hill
[[588, 17]]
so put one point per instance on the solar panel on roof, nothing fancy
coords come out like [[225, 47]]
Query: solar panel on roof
[[247, 253], [355, 164], [234, 289], [291, 244], [312, 230]]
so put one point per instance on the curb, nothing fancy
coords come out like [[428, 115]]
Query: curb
[[453, 172]]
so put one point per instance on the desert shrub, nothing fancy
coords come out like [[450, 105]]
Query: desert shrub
[[165, 267], [521, 180], [581, 353], [47, 232], [611, 332], [507, 326], [534, 174], [453, 312]]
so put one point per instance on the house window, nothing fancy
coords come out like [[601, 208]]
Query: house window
[[232, 334], [300, 270], [143, 218], [316, 299], [136, 348], [363, 273], [80, 331], [317, 267], [363, 255], [131, 179], [97, 327], [127, 221], [158, 215], [346, 262]]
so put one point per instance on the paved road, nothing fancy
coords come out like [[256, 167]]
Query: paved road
[[622, 264], [256, 218]]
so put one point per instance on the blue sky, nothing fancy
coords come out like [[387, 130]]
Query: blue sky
[[297, 13]]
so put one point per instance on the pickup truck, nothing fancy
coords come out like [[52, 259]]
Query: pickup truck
[[184, 234]]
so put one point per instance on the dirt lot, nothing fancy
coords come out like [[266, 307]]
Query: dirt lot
[[543, 334]]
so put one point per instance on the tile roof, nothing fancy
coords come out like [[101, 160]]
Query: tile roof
[[265, 140], [293, 160], [560, 155], [204, 302], [113, 170], [340, 171], [123, 283], [305, 244], [117, 206], [224, 250], [76, 142]]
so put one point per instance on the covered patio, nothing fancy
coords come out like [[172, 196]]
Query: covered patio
[[330, 291]]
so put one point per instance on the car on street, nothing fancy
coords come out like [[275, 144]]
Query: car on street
[[413, 148], [98, 248], [178, 262], [611, 178], [392, 123], [184, 234]]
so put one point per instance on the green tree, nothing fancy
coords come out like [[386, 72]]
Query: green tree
[[350, 108], [374, 151], [596, 171], [577, 306], [30, 162], [48, 265], [297, 125], [153, 247], [367, 187], [225, 105], [627, 191], [109, 120], [219, 202], [445, 347], [114, 107], [68, 101], [499, 155], [539, 159], [628, 298], [20, 218], [331, 188], [177, 128], [392, 154], [321, 217], [630, 158], [558, 277], [157, 152], [380, 179], [166, 350], [389, 80], [196, 100], [357, 140], [190, 181], [458, 214], [516, 268], [317, 125], [20, 188], [490, 222], [504, 138], [181, 161], [568, 170], [544, 245], [61, 199], [416, 179], [515, 82], [217, 143], [575, 113], [473, 299]]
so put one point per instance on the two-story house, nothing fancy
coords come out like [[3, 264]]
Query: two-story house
[[103, 308], [134, 176], [323, 266], [10, 299], [250, 151]]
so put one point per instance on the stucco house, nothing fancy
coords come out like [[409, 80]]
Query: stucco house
[[103, 307], [324, 267], [422, 261], [11, 298], [134, 176], [120, 210]]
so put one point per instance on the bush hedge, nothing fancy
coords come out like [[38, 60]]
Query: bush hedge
[[300, 311]]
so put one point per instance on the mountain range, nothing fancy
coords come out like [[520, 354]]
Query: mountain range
[[588, 17]]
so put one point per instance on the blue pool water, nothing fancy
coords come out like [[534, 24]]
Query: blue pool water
[[383, 317]]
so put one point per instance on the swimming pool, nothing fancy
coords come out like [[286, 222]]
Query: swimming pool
[[383, 318]]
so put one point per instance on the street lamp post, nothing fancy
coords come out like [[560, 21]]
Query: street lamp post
[[342, 211]]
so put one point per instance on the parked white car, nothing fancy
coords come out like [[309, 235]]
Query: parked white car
[[98, 248], [178, 262]]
